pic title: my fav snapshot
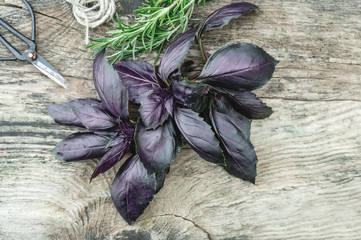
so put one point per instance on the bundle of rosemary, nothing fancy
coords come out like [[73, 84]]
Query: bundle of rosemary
[[157, 21]]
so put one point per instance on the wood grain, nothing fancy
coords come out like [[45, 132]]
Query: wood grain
[[308, 183]]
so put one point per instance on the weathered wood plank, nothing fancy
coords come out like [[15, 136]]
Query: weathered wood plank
[[308, 182], [307, 185]]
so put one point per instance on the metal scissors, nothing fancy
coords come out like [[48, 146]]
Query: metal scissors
[[30, 54]]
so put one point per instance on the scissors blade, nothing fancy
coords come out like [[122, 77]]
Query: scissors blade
[[43, 66]]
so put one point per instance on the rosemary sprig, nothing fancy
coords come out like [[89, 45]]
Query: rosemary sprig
[[157, 22]]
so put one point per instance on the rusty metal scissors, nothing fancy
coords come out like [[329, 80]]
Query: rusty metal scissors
[[30, 54]]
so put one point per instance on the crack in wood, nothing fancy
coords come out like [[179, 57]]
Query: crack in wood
[[179, 216], [37, 12], [195, 224], [49, 16]]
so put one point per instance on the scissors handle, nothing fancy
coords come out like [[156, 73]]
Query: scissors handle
[[30, 54], [31, 44], [32, 20], [22, 37], [11, 49], [8, 59]]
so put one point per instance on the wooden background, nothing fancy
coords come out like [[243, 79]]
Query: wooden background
[[309, 150]]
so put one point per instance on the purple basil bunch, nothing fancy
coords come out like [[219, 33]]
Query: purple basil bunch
[[210, 111]]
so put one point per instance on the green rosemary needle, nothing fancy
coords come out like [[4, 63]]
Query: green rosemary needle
[[157, 21]]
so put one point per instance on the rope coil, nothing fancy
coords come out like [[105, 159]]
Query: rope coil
[[92, 13]]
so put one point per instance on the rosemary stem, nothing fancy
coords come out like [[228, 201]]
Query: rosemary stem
[[158, 21]]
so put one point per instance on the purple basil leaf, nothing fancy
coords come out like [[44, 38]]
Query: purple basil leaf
[[127, 128], [110, 88], [133, 189], [81, 146], [201, 104], [178, 74], [157, 148], [175, 53], [160, 177], [92, 114], [161, 83], [169, 105], [63, 114], [223, 107], [186, 93], [114, 155], [155, 108], [224, 15], [233, 130], [138, 77], [187, 67], [238, 67], [198, 135], [175, 76], [249, 105], [117, 139]]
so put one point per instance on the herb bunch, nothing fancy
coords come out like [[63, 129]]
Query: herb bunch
[[157, 22], [210, 111]]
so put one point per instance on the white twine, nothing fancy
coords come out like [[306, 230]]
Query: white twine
[[92, 13]]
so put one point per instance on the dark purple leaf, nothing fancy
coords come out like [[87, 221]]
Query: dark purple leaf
[[233, 130], [159, 147], [187, 67], [133, 189], [169, 105], [155, 108], [63, 114], [117, 139], [186, 93], [160, 177], [161, 83], [238, 67], [127, 128], [223, 107], [201, 104], [81, 146], [224, 15], [175, 76], [92, 114], [138, 77], [178, 74], [198, 135], [114, 155], [175, 53], [110, 88], [249, 105]]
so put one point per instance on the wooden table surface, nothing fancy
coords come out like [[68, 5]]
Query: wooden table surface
[[309, 172]]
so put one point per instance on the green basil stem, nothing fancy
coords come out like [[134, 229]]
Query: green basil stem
[[202, 49]]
